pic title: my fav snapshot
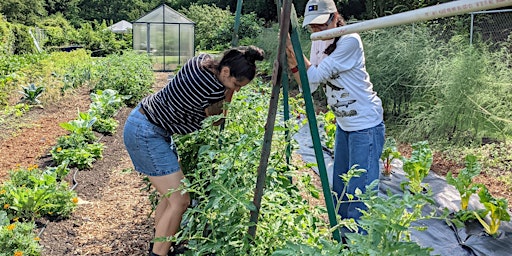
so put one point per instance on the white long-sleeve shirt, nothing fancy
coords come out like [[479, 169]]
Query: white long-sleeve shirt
[[349, 91]]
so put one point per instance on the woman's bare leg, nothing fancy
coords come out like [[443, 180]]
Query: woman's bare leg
[[170, 209]]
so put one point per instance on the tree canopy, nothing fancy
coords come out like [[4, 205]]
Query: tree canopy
[[27, 12]]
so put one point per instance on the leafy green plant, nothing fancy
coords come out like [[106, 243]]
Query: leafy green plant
[[387, 222], [329, 121], [17, 110], [106, 125], [31, 94], [464, 180], [389, 153], [82, 125], [81, 156], [79, 148], [130, 74], [18, 238], [417, 167], [105, 103], [213, 162], [32, 193], [496, 209]]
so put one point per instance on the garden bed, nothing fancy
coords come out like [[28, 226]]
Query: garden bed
[[112, 214]]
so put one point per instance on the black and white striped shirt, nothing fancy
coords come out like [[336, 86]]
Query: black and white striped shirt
[[180, 106]]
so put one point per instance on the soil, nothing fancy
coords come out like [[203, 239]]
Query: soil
[[113, 216]]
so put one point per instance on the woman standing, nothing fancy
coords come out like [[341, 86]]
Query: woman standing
[[198, 90], [359, 114]]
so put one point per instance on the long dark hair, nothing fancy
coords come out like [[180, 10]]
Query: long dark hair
[[332, 47], [240, 60]]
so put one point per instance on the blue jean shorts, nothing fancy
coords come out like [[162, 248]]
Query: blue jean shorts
[[150, 147]]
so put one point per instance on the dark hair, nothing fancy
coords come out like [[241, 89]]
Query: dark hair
[[332, 47], [240, 60]]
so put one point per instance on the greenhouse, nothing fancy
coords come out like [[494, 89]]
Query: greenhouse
[[166, 36]]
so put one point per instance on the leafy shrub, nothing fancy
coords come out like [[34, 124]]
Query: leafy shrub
[[6, 37], [130, 74], [214, 26], [58, 31], [99, 40]]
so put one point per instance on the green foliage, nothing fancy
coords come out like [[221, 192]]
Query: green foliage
[[397, 57], [214, 26], [464, 180], [31, 94], [18, 238], [6, 37], [130, 74], [220, 166], [82, 125], [79, 148], [23, 42], [81, 156], [105, 103], [31, 193], [97, 38], [58, 30], [23, 11], [465, 97], [329, 127], [387, 221], [17, 110], [417, 167], [106, 125], [104, 106]]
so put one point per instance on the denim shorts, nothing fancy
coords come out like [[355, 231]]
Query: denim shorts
[[150, 147]]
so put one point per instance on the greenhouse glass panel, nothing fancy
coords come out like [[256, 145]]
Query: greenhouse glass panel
[[166, 36]]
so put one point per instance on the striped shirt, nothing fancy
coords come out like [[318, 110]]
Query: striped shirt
[[180, 106]]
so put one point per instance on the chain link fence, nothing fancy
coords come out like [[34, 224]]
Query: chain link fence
[[491, 26]]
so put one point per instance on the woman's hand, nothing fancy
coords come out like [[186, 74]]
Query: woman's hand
[[214, 109]]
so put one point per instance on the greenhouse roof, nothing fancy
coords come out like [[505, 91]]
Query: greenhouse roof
[[164, 14], [121, 27]]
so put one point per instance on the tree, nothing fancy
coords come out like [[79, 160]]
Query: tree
[[26, 12]]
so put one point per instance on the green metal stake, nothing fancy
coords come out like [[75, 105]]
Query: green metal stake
[[313, 127], [234, 40]]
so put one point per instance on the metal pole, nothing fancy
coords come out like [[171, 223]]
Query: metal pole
[[234, 40], [471, 29], [313, 128], [428, 13], [272, 111]]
